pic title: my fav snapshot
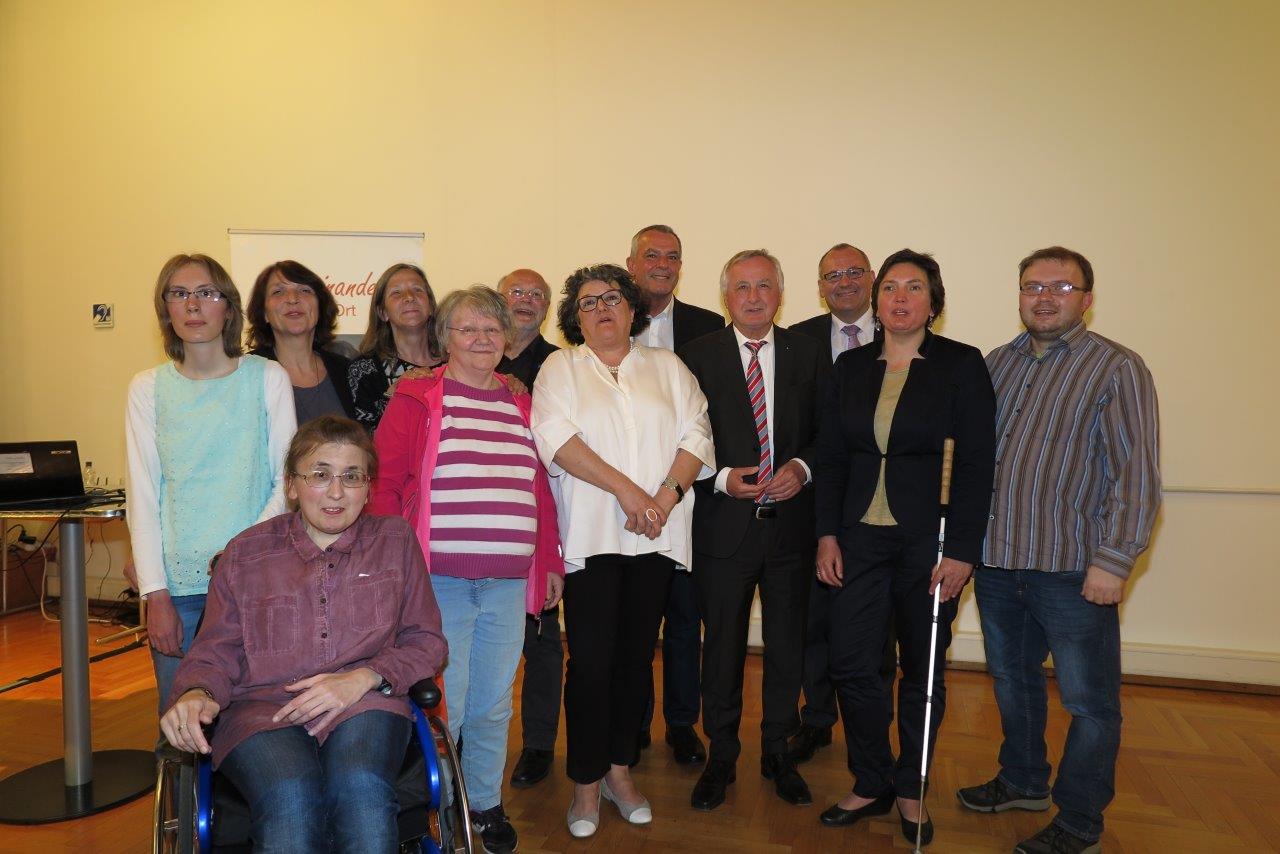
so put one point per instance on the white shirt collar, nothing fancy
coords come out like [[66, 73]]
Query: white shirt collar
[[665, 314], [866, 326], [742, 339]]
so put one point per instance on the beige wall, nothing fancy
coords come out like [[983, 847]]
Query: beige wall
[[544, 133]]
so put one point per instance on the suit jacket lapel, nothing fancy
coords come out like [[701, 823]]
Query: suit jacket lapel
[[734, 384], [784, 379]]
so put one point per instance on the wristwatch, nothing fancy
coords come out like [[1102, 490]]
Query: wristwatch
[[672, 483], [384, 687]]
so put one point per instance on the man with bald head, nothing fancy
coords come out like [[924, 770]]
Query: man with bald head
[[845, 276], [655, 261], [528, 297]]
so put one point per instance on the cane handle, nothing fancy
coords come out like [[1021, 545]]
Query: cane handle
[[948, 456]]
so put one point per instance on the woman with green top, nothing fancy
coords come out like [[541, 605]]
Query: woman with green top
[[889, 408], [206, 435]]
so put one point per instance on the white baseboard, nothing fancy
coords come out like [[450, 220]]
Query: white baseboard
[[1162, 660], [1142, 659]]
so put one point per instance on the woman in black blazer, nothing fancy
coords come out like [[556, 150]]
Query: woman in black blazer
[[877, 485]]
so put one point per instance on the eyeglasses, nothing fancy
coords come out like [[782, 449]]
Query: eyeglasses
[[320, 479], [473, 333], [535, 294], [609, 298], [1060, 289], [201, 294], [834, 276]]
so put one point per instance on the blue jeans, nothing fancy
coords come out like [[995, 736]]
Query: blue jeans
[[339, 796], [190, 609], [483, 621], [1026, 615]]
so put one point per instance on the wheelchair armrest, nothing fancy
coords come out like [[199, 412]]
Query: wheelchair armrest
[[425, 693]]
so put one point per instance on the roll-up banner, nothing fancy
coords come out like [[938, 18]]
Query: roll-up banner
[[349, 262]]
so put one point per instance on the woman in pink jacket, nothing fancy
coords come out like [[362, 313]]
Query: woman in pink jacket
[[458, 461]]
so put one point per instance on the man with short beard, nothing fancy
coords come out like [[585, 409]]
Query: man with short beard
[[1077, 489]]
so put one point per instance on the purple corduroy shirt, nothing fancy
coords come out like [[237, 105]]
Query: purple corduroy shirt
[[281, 609]]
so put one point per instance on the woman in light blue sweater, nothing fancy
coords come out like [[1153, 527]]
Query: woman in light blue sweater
[[206, 435]]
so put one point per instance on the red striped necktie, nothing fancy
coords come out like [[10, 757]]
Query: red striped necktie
[[755, 394]]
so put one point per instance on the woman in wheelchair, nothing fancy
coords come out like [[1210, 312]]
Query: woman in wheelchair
[[317, 624]]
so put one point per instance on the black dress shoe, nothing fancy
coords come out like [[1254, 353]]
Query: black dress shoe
[[791, 787], [803, 744], [531, 768], [709, 791], [837, 816], [686, 745], [909, 830]]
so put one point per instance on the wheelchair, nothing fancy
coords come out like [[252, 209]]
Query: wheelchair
[[199, 812]]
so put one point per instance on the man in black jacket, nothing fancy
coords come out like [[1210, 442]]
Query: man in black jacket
[[753, 523], [654, 263], [528, 297], [845, 276]]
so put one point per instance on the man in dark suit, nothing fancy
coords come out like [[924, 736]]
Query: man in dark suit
[[753, 523], [845, 277], [654, 263]]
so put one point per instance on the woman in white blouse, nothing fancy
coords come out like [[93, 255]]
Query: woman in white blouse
[[623, 431]]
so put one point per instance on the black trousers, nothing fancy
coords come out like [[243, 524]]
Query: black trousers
[[543, 677], [886, 576], [726, 588], [612, 608], [681, 654], [819, 709]]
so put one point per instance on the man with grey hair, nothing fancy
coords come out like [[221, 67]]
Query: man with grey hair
[[845, 276], [528, 297], [655, 261], [753, 522]]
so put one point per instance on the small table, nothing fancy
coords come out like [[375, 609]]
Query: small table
[[82, 782]]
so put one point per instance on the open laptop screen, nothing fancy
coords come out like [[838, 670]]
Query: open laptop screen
[[39, 471]]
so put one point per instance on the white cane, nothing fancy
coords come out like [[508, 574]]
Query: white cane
[[948, 452]]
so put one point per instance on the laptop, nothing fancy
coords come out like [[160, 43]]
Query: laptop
[[41, 475]]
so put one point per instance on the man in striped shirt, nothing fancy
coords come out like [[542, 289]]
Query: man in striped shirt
[[1076, 493]]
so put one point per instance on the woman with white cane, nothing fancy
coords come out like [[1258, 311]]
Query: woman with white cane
[[890, 408]]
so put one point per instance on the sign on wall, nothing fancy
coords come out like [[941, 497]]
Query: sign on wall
[[349, 262]]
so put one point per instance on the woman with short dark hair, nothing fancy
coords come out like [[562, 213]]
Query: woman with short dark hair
[[623, 430]]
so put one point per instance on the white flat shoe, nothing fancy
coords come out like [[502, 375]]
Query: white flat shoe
[[584, 824], [638, 814]]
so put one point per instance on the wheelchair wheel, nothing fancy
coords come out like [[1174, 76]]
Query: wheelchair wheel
[[174, 825], [450, 824]]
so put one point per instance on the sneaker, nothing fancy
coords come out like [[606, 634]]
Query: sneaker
[[495, 830], [1055, 840], [994, 796]]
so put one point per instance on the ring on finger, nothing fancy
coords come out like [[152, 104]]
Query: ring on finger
[[651, 514]]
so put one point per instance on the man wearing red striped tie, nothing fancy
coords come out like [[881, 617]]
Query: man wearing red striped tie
[[753, 523]]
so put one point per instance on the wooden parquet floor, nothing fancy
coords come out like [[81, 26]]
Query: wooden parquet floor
[[1199, 771]]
